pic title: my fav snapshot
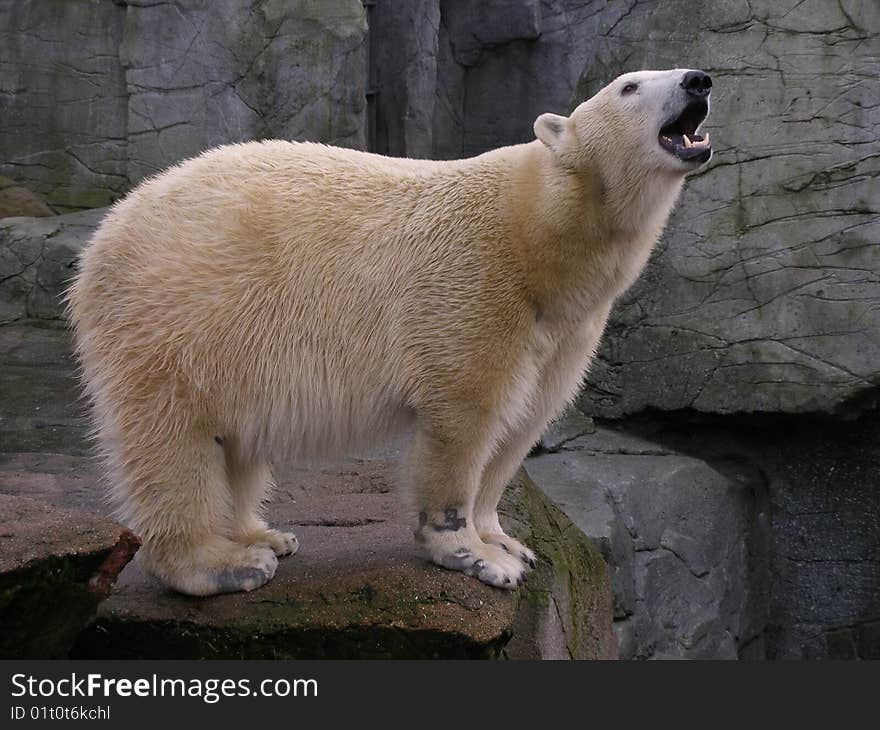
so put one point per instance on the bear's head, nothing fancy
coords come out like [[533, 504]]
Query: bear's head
[[642, 122]]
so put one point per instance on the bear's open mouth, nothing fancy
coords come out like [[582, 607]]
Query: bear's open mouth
[[679, 137]]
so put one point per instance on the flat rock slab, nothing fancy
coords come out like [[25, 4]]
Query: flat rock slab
[[55, 566], [357, 589]]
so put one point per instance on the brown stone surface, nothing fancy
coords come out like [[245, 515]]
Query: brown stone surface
[[31, 531], [55, 566], [16, 200], [357, 589]]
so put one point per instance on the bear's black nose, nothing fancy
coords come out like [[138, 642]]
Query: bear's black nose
[[696, 83]]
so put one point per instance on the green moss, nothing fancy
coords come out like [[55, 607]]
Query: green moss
[[570, 573]]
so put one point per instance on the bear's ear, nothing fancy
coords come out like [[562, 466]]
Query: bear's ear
[[551, 129]]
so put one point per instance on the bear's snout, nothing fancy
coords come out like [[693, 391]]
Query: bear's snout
[[696, 83]]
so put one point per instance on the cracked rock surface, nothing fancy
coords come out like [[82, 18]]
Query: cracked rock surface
[[681, 540], [764, 294], [94, 96]]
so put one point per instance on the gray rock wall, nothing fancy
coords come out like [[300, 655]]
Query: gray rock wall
[[686, 542], [812, 482], [63, 100], [37, 258], [94, 96], [474, 74], [763, 295]]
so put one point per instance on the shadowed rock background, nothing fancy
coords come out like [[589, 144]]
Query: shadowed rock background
[[724, 453]]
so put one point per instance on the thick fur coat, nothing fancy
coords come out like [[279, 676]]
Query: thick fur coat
[[281, 299]]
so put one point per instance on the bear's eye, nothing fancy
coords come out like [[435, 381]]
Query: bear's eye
[[629, 88]]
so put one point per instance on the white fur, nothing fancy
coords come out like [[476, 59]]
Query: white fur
[[297, 300]]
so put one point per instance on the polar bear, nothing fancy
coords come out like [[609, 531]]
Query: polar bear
[[276, 298]]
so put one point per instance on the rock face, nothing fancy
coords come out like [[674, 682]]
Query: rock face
[[826, 540], [200, 74], [63, 100], [763, 294], [146, 84], [55, 567], [37, 258], [751, 538], [477, 73], [817, 479], [686, 544]]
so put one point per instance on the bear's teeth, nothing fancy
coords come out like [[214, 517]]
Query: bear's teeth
[[687, 141]]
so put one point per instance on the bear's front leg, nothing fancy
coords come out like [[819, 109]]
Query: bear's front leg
[[444, 472]]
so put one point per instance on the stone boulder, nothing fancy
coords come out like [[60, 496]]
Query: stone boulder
[[37, 259], [55, 567], [686, 543], [16, 200]]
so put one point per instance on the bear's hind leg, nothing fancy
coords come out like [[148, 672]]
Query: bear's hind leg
[[175, 495], [445, 475], [250, 481]]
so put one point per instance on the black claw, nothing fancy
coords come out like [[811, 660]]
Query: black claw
[[506, 580], [504, 547]]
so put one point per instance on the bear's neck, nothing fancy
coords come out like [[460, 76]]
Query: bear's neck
[[583, 240]]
